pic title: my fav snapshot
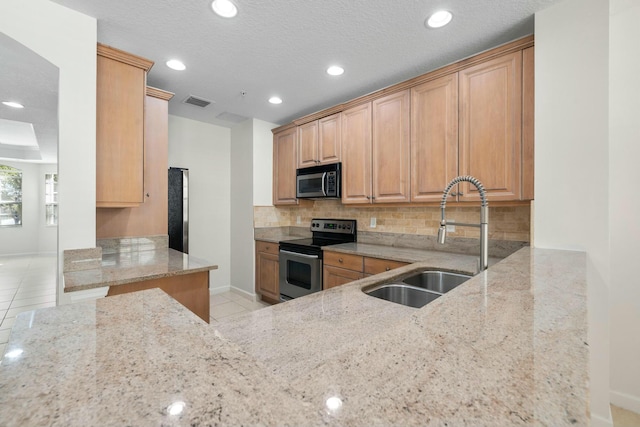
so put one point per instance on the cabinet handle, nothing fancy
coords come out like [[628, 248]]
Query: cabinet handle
[[340, 260], [461, 194], [368, 198], [454, 193], [373, 197]]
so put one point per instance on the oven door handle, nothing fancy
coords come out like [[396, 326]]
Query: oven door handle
[[298, 254], [324, 177]]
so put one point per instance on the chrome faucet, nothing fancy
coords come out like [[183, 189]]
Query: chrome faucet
[[484, 218]]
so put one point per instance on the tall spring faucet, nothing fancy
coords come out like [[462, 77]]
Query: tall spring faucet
[[484, 218]]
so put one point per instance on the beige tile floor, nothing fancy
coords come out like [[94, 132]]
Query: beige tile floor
[[624, 418], [228, 304], [26, 283]]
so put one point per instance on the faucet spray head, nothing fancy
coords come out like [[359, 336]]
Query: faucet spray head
[[442, 233]]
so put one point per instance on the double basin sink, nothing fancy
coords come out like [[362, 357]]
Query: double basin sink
[[419, 289]]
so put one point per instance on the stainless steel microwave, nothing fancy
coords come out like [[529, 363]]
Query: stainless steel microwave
[[319, 182]]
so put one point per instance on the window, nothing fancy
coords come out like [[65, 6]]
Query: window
[[51, 198], [10, 196]]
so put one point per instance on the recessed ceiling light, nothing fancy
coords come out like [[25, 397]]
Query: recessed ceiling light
[[224, 8], [13, 104], [174, 64], [275, 100], [439, 19], [334, 70]]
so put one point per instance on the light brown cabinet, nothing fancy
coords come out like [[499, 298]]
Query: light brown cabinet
[[375, 151], [190, 290], [391, 149], [340, 268], [434, 137], [267, 271], [319, 141], [150, 218], [490, 114], [284, 167], [120, 96]]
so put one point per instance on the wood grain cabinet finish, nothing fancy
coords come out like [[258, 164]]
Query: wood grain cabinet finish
[[490, 114], [434, 137], [391, 149], [121, 84], [284, 167], [356, 154], [340, 268], [528, 107], [319, 141], [190, 290], [150, 218], [267, 271]]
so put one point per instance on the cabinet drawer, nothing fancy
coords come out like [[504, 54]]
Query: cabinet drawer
[[335, 276], [377, 265], [268, 247], [350, 262]]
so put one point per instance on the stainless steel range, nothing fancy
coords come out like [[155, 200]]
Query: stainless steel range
[[301, 259]]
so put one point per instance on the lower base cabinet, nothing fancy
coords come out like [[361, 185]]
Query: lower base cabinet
[[340, 268], [190, 290], [267, 271]]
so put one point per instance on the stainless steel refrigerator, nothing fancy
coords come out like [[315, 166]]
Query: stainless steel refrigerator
[[179, 209]]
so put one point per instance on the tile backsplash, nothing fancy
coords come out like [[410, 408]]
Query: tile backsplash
[[505, 223]]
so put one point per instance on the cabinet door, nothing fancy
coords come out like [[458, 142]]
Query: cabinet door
[[284, 167], [490, 127], [356, 154], [119, 133], [308, 144], [391, 148], [377, 265], [334, 276], [329, 139], [267, 275], [434, 138]]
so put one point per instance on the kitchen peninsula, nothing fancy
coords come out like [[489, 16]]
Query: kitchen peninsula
[[508, 347], [133, 264]]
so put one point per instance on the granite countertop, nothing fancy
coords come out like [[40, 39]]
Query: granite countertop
[[508, 347], [127, 267]]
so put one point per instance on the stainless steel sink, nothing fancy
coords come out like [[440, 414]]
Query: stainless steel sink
[[418, 290], [403, 294], [437, 281]]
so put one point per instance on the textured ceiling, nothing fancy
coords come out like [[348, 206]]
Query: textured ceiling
[[282, 47], [27, 78]]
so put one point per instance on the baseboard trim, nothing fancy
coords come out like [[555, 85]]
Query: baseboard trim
[[598, 421], [626, 401], [219, 290], [248, 295]]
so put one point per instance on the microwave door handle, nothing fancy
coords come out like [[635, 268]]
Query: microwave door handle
[[324, 177]]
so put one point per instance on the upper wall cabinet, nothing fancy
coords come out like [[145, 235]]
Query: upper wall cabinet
[[375, 151], [491, 127], [284, 167], [434, 137], [319, 141], [121, 86]]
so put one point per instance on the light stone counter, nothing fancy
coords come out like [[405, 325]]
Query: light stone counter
[[120, 268], [508, 347]]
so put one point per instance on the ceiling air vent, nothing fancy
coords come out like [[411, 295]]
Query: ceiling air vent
[[198, 102]]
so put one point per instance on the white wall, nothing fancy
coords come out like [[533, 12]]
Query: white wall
[[262, 163], [624, 213], [242, 253], [205, 150], [33, 236], [67, 39], [572, 169]]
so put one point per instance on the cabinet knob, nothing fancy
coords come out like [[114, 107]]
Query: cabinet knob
[[454, 193], [267, 247], [147, 194], [368, 198], [387, 268], [373, 197], [340, 260], [460, 193]]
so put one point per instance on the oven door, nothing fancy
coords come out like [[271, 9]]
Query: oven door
[[300, 274]]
